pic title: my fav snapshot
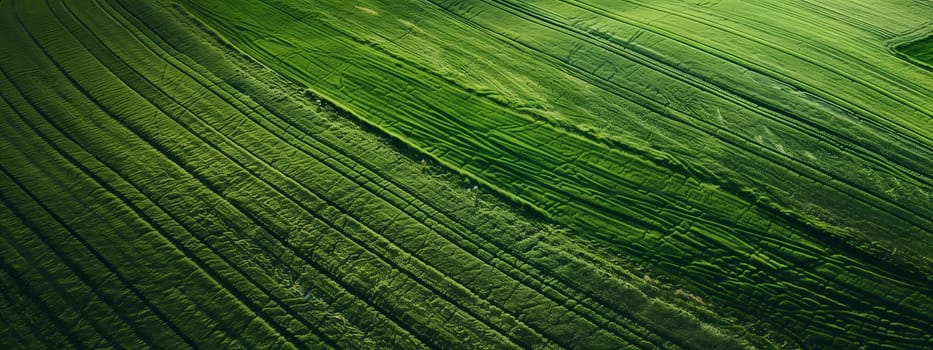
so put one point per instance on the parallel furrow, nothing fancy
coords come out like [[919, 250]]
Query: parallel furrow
[[250, 156], [106, 175], [83, 273], [779, 162], [347, 168], [26, 322], [126, 284], [198, 261], [599, 182], [225, 145], [748, 102], [89, 97], [912, 136], [737, 141], [31, 305], [272, 136]]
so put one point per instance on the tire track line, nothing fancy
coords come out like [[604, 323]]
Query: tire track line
[[683, 119], [105, 109], [372, 178], [255, 175]]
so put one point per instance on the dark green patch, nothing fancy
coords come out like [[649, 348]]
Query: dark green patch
[[919, 52]]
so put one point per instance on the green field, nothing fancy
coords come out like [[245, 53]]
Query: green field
[[594, 174], [919, 51]]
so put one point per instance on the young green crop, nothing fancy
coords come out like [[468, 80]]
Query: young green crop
[[161, 190], [775, 162]]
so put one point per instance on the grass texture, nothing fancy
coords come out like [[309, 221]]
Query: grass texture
[[466, 174]]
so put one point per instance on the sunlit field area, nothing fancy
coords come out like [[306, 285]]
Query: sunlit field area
[[538, 174]]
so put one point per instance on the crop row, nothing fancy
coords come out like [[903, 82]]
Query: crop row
[[195, 215], [395, 221], [688, 101], [752, 256]]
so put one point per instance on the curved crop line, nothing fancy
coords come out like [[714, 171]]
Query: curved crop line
[[106, 335], [684, 119], [777, 213], [273, 134], [646, 102], [816, 7], [649, 209], [136, 292], [120, 197], [91, 98], [34, 298], [777, 47], [280, 191], [364, 184], [162, 212], [201, 264], [105, 338], [302, 319], [285, 244], [71, 265], [91, 249], [900, 83], [751, 66], [633, 53], [22, 309], [162, 230]]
